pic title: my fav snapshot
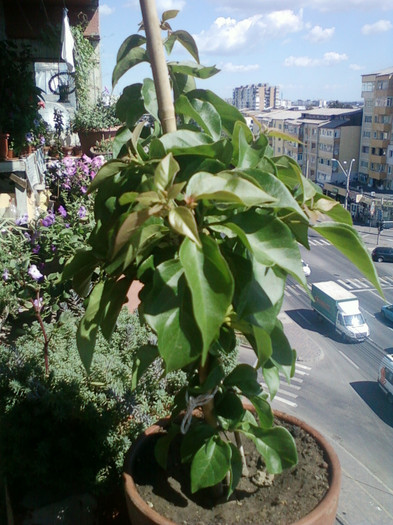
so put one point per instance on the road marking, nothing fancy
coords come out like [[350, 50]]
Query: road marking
[[361, 284], [286, 401], [302, 373], [297, 379], [298, 365], [283, 392], [344, 283], [349, 360]]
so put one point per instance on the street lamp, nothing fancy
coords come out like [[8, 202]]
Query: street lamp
[[347, 175]]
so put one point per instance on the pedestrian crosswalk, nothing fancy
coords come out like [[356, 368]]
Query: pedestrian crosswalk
[[352, 284], [318, 242], [288, 393]]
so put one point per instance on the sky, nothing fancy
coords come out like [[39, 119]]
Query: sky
[[311, 49]]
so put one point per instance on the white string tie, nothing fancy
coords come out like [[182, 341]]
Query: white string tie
[[192, 404]]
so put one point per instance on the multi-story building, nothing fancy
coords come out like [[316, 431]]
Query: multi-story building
[[255, 97], [377, 91], [319, 136]]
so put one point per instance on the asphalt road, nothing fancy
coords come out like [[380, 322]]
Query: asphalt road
[[335, 388]]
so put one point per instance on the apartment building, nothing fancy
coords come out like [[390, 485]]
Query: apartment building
[[255, 97], [320, 135], [376, 145]]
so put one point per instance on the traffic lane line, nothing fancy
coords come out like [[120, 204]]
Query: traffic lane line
[[349, 360]]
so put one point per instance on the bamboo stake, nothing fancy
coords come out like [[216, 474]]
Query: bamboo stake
[[159, 67]]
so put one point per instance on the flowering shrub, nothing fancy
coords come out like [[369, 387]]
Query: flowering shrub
[[34, 253]]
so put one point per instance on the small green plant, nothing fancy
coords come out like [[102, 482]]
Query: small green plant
[[200, 211], [66, 432], [96, 116]]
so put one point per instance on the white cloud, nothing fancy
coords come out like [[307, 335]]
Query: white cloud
[[317, 34], [228, 35], [378, 27], [250, 7], [238, 68], [328, 59], [106, 10], [167, 5]]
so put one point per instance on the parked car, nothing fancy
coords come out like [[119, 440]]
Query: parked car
[[387, 311], [385, 376], [382, 253], [306, 268]]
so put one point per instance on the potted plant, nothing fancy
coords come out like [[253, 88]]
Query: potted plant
[[198, 209], [95, 122]]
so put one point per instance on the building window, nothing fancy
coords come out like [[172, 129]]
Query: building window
[[367, 118], [368, 86], [366, 134]]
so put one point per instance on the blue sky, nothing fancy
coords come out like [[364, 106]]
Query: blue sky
[[311, 49]]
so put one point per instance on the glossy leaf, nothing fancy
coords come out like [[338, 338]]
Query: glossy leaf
[[167, 309], [228, 113], [227, 187], [134, 221], [236, 469], [244, 156], [161, 449], [348, 242], [211, 285], [276, 446], [245, 378], [188, 42], [263, 411], [182, 221], [197, 436], [203, 113], [270, 241], [109, 169], [210, 464], [130, 106], [150, 97], [332, 209], [128, 44], [271, 376], [228, 409], [114, 296], [167, 15], [193, 69], [165, 172], [123, 135], [283, 355], [129, 59]]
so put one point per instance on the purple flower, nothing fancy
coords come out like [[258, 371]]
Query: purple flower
[[53, 248], [34, 273], [29, 137], [62, 211], [27, 236], [42, 140], [83, 189], [23, 219], [67, 225], [6, 275], [82, 212], [36, 248], [85, 158], [38, 304], [48, 220]]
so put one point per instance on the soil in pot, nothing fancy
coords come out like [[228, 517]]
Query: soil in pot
[[257, 499]]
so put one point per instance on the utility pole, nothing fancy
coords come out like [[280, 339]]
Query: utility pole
[[347, 174]]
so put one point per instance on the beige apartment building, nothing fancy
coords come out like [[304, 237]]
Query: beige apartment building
[[376, 148], [255, 97]]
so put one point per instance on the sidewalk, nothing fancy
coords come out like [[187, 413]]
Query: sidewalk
[[370, 236]]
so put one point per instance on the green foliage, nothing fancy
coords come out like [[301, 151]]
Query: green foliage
[[95, 116], [70, 424], [211, 223]]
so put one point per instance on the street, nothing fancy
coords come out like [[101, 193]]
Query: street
[[335, 388]]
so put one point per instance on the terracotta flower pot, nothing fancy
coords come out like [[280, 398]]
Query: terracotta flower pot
[[323, 514], [88, 139], [4, 146]]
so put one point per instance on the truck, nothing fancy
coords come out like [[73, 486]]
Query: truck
[[340, 307]]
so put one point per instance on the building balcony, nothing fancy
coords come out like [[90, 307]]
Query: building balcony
[[377, 175], [374, 143]]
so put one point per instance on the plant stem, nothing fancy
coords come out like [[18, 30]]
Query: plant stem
[[209, 406], [239, 445], [159, 67]]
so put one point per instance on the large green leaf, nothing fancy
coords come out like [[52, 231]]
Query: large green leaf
[[333, 209], [210, 464], [211, 284], [228, 113], [199, 433], [202, 112], [283, 355], [128, 44], [182, 220], [277, 189], [143, 358], [130, 106], [271, 376], [245, 378], [270, 241], [263, 411], [109, 169], [244, 156], [132, 223], [348, 241], [130, 58], [193, 69], [167, 309], [227, 187], [235, 470], [276, 446], [113, 298], [150, 97], [88, 327], [123, 135], [165, 172], [228, 409]]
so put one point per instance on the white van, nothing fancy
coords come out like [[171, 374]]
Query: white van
[[385, 376]]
